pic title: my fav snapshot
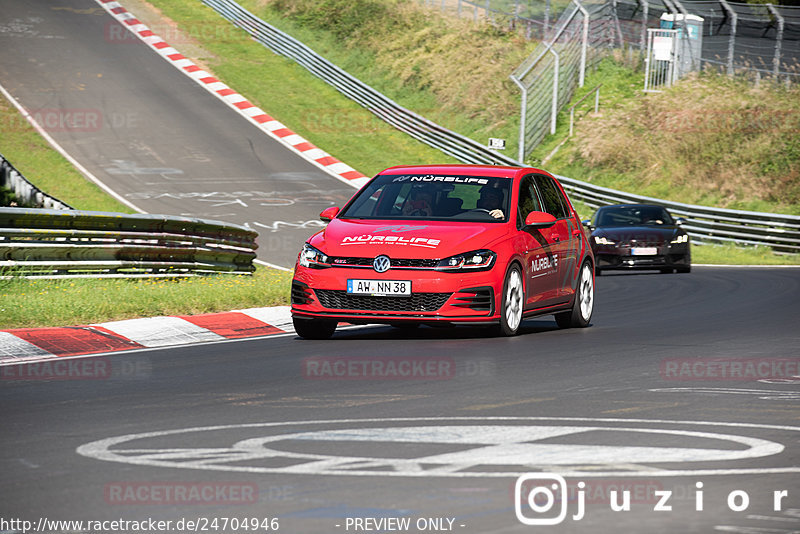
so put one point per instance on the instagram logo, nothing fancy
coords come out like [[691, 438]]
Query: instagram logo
[[535, 496]]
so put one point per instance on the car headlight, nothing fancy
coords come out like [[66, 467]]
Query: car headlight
[[680, 239], [312, 257], [477, 260], [603, 241]]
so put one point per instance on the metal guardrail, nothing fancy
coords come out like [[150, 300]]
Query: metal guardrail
[[782, 232], [704, 224], [24, 191], [46, 243]]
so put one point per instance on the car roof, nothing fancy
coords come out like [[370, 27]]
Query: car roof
[[475, 170]]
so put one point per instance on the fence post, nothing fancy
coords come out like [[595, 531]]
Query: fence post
[[685, 35], [732, 41], [546, 19], [776, 63], [584, 44], [616, 23], [523, 116], [675, 57], [4, 169], [571, 119], [647, 55], [554, 104], [645, 16]]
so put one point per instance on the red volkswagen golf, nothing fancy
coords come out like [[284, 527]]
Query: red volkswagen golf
[[447, 244]]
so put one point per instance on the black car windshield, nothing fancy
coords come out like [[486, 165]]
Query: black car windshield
[[633, 216], [432, 197]]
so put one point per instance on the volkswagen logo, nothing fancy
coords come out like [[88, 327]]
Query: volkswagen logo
[[381, 264]]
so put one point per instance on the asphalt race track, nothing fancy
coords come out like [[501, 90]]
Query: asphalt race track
[[314, 433], [150, 132]]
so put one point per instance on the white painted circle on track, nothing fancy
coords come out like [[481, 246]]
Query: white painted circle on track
[[474, 447]]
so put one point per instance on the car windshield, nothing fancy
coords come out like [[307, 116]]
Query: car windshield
[[432, 197], [633, 216]]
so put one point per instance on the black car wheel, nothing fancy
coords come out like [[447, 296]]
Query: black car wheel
[[314, 328], [583, 305]]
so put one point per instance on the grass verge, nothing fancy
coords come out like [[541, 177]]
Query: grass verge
[[28, 303], [732, 255], [21, 145]]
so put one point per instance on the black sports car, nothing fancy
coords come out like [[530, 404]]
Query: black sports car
[[639, 236]]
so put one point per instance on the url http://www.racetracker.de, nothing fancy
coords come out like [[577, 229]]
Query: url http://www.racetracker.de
[[198, 524]]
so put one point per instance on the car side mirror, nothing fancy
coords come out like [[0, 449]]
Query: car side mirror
[[680, 221], [587, 223], [329, 213], [539, 219]]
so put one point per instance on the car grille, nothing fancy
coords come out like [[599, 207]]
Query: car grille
[[341, 300], [628, 244], [611, 260], [397, 263]]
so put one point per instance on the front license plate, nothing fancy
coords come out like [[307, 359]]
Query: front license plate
[[392, 288], [644, 251]]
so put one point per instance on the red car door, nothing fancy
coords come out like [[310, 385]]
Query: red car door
[[561, 236], [540, 248]]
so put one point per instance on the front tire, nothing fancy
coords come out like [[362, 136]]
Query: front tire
[[583, 306], [314, 328], [513, 302]]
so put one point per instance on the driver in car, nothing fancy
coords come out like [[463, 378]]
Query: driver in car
[[491, 200], [419, 203]]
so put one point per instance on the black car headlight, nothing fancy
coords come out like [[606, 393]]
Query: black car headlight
[[312, 257], [477, 260]]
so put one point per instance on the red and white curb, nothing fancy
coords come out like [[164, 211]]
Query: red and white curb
[[34, 344], [234, 100]]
